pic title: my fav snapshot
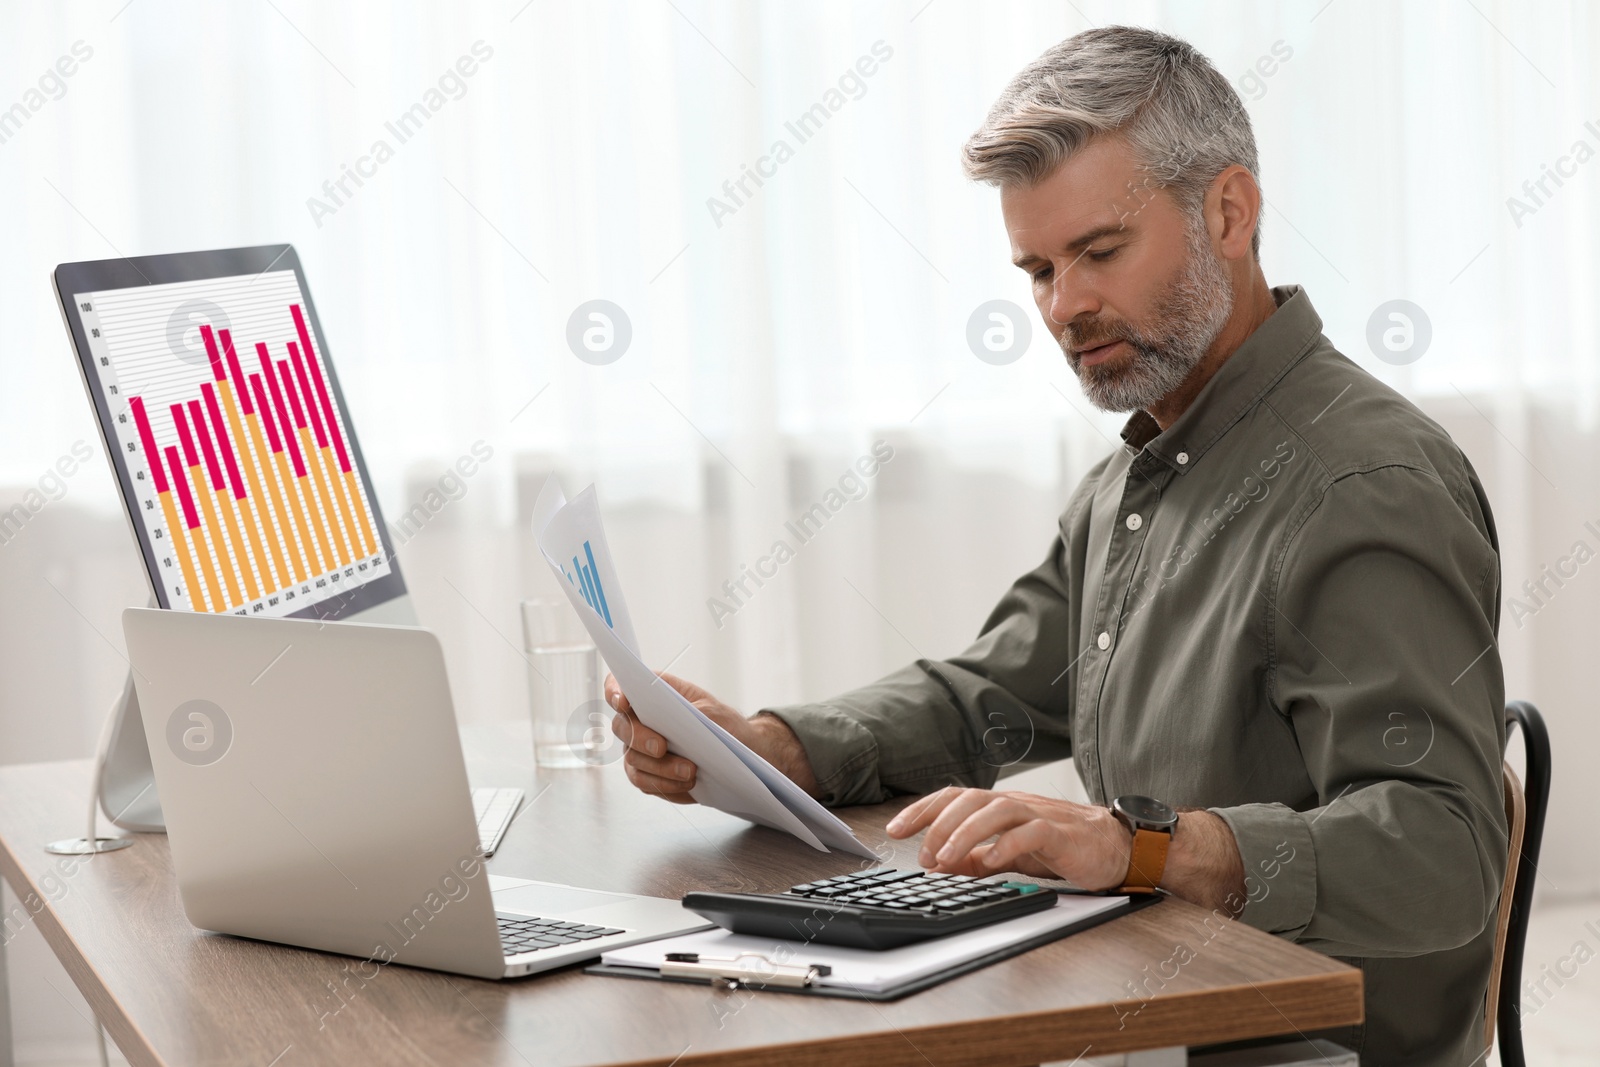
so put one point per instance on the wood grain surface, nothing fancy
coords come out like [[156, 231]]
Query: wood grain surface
[[170, 994]]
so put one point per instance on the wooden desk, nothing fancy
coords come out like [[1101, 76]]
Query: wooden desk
[[169, 994]]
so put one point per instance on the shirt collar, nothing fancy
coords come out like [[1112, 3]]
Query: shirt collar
[[1236, 387]]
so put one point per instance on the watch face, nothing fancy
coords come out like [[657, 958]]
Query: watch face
[[1145, 812]]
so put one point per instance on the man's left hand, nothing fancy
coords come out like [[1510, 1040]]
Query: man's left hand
[[1034, 835]]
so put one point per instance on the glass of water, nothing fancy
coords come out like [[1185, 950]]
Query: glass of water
[[570, 724]]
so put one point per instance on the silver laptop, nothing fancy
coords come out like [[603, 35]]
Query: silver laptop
[[315, 795]]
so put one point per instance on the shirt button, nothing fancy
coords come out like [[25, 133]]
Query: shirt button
[[1104, 640], [1134, 521], [1183, 458]]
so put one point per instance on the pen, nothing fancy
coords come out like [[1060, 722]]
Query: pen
[[747, 968]]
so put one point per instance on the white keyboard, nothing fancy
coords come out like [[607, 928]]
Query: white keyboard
[[494, 809]]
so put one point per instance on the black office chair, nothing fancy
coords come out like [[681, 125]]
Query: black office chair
[[1525, 810]]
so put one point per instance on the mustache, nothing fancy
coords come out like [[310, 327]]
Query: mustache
[[1077, 340]]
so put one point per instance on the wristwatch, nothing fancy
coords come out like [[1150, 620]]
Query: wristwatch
[[1152, 824]]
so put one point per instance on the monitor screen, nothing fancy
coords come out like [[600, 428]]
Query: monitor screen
[[229, 434]]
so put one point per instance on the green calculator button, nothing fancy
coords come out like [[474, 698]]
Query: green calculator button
[[1022, 887]]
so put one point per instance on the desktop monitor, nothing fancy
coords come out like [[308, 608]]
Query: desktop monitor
[[221, 413], [241, 475]]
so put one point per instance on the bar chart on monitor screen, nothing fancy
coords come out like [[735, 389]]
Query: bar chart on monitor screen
[[237, 443]]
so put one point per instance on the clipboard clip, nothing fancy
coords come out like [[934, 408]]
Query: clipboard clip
[[747, 968]]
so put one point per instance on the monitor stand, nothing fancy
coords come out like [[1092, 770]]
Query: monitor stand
[[126, 783], [126, 787]]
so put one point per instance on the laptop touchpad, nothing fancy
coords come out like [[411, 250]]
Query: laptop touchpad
[[553, 899]]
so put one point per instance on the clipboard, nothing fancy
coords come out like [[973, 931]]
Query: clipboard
[[798, 974]]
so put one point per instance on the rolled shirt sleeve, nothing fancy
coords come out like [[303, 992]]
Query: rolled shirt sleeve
[[1383, 615]]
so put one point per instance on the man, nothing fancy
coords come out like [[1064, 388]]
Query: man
[[1273, 609]]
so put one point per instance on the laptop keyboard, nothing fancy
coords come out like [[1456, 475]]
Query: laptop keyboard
[[519, 934], [494, 809]]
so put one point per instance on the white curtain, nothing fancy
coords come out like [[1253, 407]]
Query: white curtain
[[778, 329]]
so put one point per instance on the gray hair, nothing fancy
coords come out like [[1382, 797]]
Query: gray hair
[[1182, 119]]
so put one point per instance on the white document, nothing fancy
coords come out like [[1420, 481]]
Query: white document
[[866, 969], [731, 778]]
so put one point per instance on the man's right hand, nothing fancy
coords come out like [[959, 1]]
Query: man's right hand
[[654, 768]]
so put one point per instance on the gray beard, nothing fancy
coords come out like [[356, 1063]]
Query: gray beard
[[1189, 315]]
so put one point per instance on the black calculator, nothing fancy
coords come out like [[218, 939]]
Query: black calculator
[[875, 909]]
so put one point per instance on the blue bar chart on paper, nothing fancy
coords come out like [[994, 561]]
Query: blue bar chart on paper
[[588, 582]]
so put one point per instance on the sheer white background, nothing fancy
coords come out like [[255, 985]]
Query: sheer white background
[[771, 346]]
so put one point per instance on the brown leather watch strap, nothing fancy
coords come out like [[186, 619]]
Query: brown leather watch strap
[[1148, 861]]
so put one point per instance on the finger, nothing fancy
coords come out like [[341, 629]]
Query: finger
[[614, 694], [1001, 814], [915, 816], [636, 735], [1027, 863], [954, 814], [1014, 847], [649, 783], [973, 864], [970, 864], [655, 784], [674, 768], [671, 798], [691, 692]]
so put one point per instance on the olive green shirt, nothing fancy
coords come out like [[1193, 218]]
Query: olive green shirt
[[1282, 608]]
